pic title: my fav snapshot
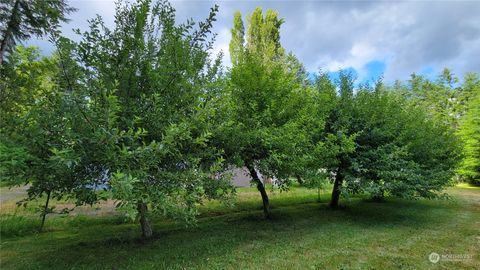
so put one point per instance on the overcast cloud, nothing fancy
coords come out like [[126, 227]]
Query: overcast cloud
[[371, 37]]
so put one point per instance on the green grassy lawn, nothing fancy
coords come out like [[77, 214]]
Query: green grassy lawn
[[303, 234]]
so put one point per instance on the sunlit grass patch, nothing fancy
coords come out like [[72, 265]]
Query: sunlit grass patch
[[303, 234]]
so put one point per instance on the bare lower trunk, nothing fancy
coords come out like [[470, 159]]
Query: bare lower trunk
[[144, 222], [261, 189], [380, 197], [299, 180], [336, 190], [45, 211]]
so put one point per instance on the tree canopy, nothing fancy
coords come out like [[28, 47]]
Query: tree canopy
[[377, 143], [470, 133], [262, 103], [145, 114]]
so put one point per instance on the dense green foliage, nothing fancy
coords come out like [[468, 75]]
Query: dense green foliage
[[398, 148], [144, 114], [445, 99], [378, 143], [262, 102], [145, 89], [470, 133], [37, 123], [452, 102]]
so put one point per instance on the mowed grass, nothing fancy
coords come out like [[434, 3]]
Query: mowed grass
[[304, 234]]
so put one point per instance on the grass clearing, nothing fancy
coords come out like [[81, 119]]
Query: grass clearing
[[303, 234]]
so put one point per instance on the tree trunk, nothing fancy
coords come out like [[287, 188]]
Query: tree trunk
[[336, 190], [45, 210], [1, 56], [261, 189], [379, 197], [299, 180], [8, 31], [144, 222]]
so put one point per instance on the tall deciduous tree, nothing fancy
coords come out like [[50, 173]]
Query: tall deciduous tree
[[36, 130], [382, 145], [20, 19], [147, 86], [262, 103], [448, 100], [470, 134], [338, 136], [237, 43], [263, 35], [444, 98]]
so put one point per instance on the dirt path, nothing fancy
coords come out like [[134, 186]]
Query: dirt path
[[9, 196], [14, 193]]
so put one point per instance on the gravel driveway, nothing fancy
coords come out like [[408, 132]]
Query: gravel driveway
[[14, 193]]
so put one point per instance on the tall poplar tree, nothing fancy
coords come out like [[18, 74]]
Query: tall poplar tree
[[237, 43], [262, 103]]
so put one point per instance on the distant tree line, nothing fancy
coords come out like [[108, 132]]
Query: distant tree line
[[146, 115]]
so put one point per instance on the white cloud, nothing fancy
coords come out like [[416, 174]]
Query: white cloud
[[407, 36], [222, 45]]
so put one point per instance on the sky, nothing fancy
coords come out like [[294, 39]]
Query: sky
[[392, 39]]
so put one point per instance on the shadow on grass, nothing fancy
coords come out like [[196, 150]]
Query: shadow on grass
[[102, 244]]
